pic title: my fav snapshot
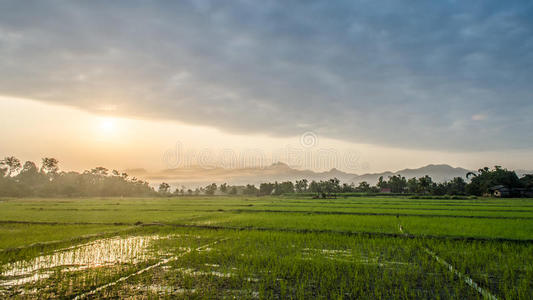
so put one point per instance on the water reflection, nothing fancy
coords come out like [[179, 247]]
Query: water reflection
[[100, 253]]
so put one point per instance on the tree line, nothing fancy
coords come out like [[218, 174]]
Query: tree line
[[480, 184], [47, 180], [26, 180]]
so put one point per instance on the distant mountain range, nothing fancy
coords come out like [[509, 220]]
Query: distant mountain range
[[200, 176], [438, 173]]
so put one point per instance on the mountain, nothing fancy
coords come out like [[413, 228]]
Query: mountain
[[521, 172], [438, 173], [194, 176], [136, 171], [200, 176]]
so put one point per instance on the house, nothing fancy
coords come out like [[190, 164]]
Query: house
[[502, 191]]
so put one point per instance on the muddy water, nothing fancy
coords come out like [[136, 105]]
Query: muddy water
[[100, 253]]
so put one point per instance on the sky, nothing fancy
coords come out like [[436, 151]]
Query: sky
[[370, 85]]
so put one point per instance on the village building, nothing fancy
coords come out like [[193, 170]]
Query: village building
[[502, 191]]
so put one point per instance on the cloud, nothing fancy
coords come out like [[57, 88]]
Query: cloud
[[365, 71], [479, 117]]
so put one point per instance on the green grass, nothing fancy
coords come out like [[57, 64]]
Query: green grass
[[272, 247]]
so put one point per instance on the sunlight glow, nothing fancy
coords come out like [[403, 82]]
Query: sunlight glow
[[107, 125]]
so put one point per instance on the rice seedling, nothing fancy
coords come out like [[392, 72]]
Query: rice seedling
[[266, 247]]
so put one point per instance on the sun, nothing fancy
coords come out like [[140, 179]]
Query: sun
[[107, 125]]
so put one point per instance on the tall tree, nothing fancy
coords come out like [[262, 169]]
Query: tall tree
[[412, 185], [100, 171], [224, 188], [11, 165], [527, 181], [457, 186], [266, 188], [314, 187], [286, 187], [301, 186], [50, 165], [29, 175], [382, 184], [164, 188], [250, 189], [486, 178], [211, 189], [233, 190], [363, 187], [397, 183], [425, 183]]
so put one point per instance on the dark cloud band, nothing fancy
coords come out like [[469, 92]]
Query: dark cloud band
[[435, 75]]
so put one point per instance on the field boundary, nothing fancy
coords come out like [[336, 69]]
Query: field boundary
[[337, 207], [318, 212], [485, 293], [401, 208], [350, 233]]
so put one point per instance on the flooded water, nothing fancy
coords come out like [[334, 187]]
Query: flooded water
[[347, 256], [93, 268], [100, 253], [327, 253]]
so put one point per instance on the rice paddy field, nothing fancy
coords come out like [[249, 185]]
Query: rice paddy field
[[266, 247]]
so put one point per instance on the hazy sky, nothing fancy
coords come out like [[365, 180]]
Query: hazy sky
[[376, 84]]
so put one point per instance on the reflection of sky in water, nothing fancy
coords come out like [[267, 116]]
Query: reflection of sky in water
[[99, 253]]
